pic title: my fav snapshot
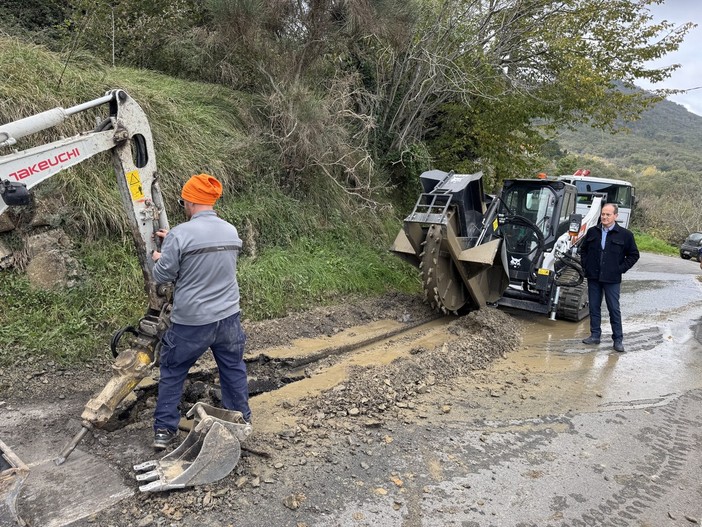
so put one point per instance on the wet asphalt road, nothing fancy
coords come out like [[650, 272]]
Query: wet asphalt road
[[556, 434]]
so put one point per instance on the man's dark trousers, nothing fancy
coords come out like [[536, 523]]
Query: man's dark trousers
[[182, 346], [595, 291]]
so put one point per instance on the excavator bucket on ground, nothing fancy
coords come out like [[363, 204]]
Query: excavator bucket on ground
[[12, 474], [210, 451]]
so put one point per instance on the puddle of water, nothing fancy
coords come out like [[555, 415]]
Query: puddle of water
[[347, 337], [659, 361]]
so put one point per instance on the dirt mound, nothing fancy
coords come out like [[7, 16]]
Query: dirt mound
[[384, 392]]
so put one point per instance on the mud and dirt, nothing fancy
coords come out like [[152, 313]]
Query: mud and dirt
[[374, 413], [330, 408]]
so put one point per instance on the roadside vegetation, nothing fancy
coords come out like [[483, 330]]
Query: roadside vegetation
[[318, 118], [659, 154], [650, 244], [302, 247]]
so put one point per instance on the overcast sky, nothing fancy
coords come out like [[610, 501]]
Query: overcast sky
[[689, 55]]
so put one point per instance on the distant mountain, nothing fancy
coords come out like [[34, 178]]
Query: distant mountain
[[666, 137]]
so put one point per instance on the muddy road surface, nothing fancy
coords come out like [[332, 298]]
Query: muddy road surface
[[378, 414]]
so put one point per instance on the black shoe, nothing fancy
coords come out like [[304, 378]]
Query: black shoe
[[591, 340], [619, 346], [164, 438]]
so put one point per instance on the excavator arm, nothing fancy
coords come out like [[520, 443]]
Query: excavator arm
[[125, 132]]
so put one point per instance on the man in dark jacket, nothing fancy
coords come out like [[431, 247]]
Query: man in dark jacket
[[607, 252]]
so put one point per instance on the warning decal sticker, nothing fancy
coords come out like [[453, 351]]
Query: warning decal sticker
[[134, 182]]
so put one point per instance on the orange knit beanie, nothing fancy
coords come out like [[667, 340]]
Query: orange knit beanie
[[202, 189]]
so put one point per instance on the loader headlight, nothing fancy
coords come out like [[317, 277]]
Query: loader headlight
[[574, 224]]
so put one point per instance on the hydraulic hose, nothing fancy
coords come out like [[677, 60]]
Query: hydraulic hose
[[573, 263]]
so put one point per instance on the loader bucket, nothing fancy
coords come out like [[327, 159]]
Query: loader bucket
[[210, 452], [12, 474]]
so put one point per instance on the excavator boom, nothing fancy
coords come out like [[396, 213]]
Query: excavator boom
[[125, 133]]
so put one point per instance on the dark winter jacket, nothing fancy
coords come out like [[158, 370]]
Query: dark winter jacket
[[608, 265]]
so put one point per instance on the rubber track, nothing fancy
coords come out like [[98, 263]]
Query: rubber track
[[573, 300]]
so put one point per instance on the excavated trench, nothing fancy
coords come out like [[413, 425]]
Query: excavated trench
[[271, 369], [333, 372], [334, 384], [303, 367]]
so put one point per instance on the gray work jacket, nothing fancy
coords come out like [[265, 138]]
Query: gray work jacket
[[199, 257]]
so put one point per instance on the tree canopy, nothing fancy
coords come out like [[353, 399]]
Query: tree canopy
[[349, 89]]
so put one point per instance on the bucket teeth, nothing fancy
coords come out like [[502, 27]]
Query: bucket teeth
[[150, 487], [158, 486], [148, 476], [146, 465]]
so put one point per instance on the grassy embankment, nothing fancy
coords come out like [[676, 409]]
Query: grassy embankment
[[301, 250]]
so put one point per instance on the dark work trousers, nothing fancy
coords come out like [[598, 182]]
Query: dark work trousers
[[182, 346], [595, 291]]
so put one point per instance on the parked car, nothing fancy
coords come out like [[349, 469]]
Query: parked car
[[691, 247]]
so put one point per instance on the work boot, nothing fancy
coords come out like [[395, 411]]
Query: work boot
[[619, 346], [163, 438], [591, 340]]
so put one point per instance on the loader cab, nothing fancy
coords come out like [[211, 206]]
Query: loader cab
[[534, 214]]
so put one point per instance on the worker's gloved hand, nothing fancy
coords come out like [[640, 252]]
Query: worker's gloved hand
[[155, 256]]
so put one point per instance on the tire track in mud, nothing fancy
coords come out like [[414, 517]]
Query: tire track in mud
[[535, 456], [670, 445], [643, 339], [638, 340]]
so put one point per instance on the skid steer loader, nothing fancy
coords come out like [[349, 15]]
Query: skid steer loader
[[125, 132], [516, 249]]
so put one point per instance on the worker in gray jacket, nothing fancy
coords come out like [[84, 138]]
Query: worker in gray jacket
[[199, 257]]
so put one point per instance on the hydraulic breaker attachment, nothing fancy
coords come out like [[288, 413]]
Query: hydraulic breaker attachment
[[210, 452], [12, 474], [128, 369]]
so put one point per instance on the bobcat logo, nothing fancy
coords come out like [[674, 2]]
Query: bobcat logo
[[515, 262]]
